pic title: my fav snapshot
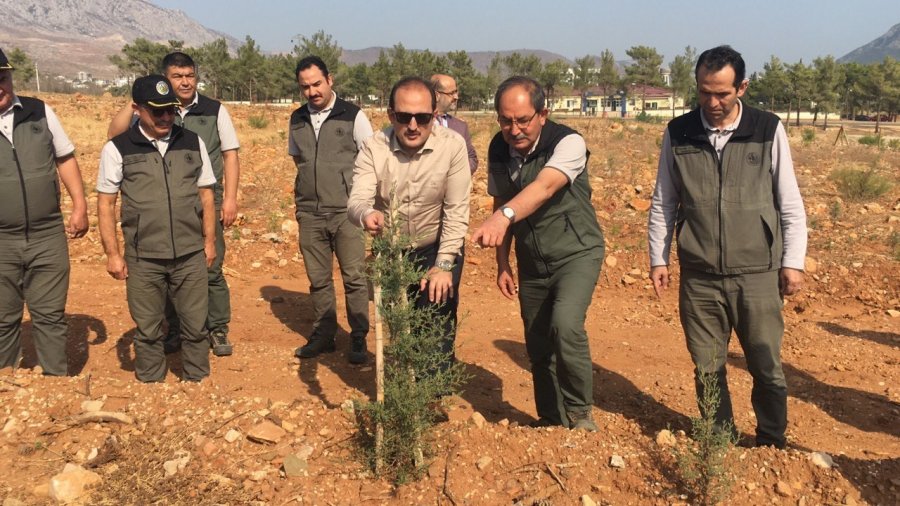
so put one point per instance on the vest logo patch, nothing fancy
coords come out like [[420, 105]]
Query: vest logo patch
[[189, 157], [339, 131], [753, 159], [36, 129], [686, 150], [202, 121]]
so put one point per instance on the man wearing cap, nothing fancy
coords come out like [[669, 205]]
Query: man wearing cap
[[325, 135], [447, 94], [34, 258], [168, 219], [210, 120]]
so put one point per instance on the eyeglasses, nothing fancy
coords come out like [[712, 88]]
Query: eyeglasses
[[449, 93], [159, 112], [422, 118], [519, 122]]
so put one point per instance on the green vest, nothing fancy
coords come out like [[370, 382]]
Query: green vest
[[563, 228], [29, 184], [325, 164], [162, 216], [728, 221], [202, 119]]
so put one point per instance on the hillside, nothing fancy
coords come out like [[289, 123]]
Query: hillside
[[68, 36], [875, 51]]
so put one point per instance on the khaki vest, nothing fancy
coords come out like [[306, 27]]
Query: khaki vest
[[202, 119], [728, 221], [162, 216], [29, 184], [325, 165], [563, 228]]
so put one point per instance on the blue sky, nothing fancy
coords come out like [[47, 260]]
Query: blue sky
[[789, 29]]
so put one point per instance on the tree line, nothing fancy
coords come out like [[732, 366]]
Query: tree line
[[824, 87]]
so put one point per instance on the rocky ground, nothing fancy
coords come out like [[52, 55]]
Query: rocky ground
[[266, 428]]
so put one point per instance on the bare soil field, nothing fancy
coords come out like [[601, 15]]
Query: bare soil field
[[182, 443]]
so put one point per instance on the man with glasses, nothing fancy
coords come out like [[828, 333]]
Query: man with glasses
[[537, 174], [447, 98], [424, 168], [168, 219], [325, 135], [209, 119], [35, 153]]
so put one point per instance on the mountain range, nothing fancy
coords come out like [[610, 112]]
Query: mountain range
[[70, 36]]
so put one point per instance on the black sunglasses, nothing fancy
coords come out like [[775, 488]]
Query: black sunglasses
[[159, 112], [422, 118]]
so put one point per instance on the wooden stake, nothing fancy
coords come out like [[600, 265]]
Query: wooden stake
[[379, 376]]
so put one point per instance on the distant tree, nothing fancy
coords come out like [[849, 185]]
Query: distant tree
[[358, 83], [683, 80], [770, 87], [381, 74], [825, 83], [24, 67], [551, 76], [142, 57], [215, 65], [584, 76], [252, 67], [401, 62], [322, 45], [881, 87], [608, 76], [425, 63], [800, 85], [853, 75], [471, 83], [645, 68], [518, 65]]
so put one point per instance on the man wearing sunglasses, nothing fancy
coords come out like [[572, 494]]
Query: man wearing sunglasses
[[35, 153], [209, 119], [447, 94], [424, 168], [168, 219], [537, 174]]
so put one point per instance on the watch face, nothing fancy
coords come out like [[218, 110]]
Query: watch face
[[508, 212]]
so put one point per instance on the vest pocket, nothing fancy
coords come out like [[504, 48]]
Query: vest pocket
[[749, 241]]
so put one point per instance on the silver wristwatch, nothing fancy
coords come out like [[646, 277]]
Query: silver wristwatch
[[445, 265], [509, 213]]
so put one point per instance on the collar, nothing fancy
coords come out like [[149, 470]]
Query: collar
[[330, 106], [152, 140], [194, 102], [730, 128], [16, 104], [515, 154], [427, 147]]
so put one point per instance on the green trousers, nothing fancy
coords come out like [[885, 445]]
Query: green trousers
[[149, 283], [711, 306], [553, 311], [35, 272], [219, 313], [322, 237]]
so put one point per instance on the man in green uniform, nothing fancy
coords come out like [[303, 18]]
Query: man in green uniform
[[209, 119], [34, 258], [325, 135], [537, 174], [168, 220], [726, 189]]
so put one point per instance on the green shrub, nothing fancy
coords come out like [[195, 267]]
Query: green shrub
[[894, 243], [871, 140], [894, 144], [809, 135], [857, 184], [258, 122]]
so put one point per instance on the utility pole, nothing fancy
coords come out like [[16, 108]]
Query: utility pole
[[37, 77]]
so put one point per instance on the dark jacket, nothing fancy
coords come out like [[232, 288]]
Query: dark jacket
[[325, 164], [728, 219], [563, 228], [162, 216]]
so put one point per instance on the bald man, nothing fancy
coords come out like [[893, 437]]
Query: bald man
[[447, 96]]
